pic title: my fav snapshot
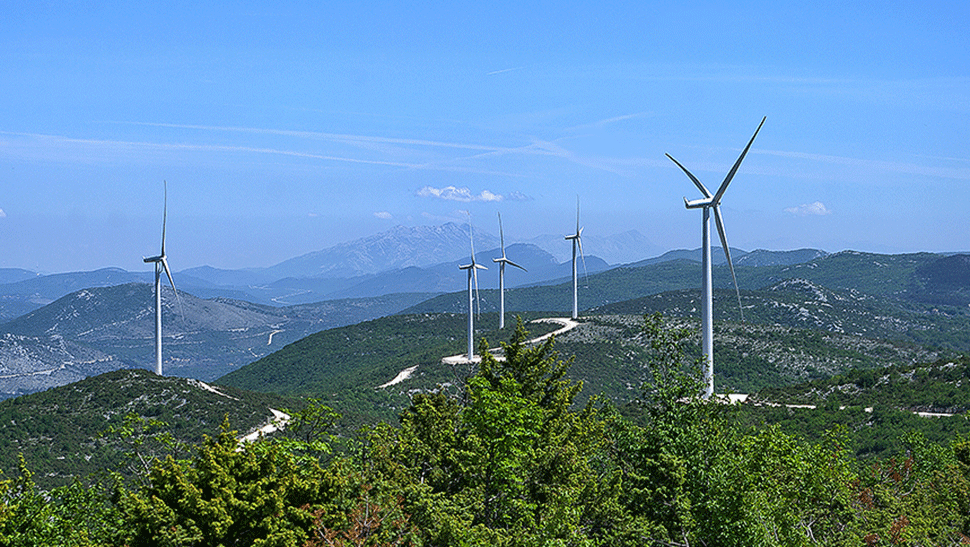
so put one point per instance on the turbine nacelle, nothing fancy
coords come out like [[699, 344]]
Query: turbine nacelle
[[504, 260], [698, 203]]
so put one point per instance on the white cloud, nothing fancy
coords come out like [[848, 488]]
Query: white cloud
[[453, 193], [815, 209], [2, 214], [503, 71], [383, 214]]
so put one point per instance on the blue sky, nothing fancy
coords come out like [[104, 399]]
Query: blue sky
[[286, 127]]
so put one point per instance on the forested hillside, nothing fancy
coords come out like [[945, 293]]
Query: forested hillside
[[72, 431], [911, 280], [344, 366], [511, 459]]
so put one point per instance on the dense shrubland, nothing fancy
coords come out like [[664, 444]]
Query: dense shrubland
[[512, 459]]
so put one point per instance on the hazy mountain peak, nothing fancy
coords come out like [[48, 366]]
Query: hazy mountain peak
[[399, 247]]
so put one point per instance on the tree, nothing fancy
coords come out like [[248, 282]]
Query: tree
[[260, 493], [510, 462], [74, 515]]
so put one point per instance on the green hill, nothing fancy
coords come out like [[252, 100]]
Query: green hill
[[913, 278], [59, 431], [876, 409], [801, 303], [345, 366]]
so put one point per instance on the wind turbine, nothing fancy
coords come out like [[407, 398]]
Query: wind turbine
[[161, 262], [577, 239], [472, 272], [501, 275], [707, 203]]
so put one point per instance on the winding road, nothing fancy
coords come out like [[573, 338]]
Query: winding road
[[566, 324]]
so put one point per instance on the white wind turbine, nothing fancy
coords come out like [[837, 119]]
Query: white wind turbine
[[161, 262], [577, 239], [472, 272], [707, 203], [502, 261]]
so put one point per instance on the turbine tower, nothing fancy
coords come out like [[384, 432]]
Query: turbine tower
[[502, 261], [577, 239], [161, 262], [707, 203], [472, 272]]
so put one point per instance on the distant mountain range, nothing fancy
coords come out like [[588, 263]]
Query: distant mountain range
[[98, 329], [402, 259], [64, 327], [397, 248], [389, 262], [759, 257], [621, 248], [106, 328]]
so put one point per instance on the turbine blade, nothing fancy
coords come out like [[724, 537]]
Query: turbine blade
[[471, 237], [501, 234], [691, 176], [577, 214], [168, 272], [583, 255], [727, 253], [730, 175], [478, 296], [164, 215], [178, 298], [510, 263]]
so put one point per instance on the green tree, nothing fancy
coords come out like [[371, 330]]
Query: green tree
[[74, 515], [692, 476], [257, 494], [510, 462]]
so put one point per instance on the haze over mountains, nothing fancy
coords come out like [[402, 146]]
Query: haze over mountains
[[420, 255]]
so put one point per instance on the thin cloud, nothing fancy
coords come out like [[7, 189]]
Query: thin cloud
[[551, 148], [895, 167], [128, 146], [453, 193], [3, 214], [537, 147], [337, 137], [809, 209], [607, 121], [503, 71], [383, 214]]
